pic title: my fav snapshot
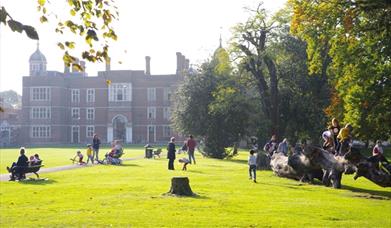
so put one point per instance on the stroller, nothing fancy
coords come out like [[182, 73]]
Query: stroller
[[113, 157]]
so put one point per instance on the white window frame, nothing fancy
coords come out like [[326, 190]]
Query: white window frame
[[151, 110], [154, 132], [40, 131], [40, 112], [77, 110], [167, 94], [115, 89], [166, 113], [40, 93], [78, 133], [165, 134], [75, 95], [90, 95], [90, 130], [151, 94], [92, 117]]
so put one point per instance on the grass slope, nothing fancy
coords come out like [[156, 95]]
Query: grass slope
[[132, 195]]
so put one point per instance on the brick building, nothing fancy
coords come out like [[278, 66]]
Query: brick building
[[69, 107]]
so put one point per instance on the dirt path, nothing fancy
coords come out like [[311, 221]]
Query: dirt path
[[6, 177]]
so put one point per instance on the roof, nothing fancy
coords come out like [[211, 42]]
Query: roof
[[38, 56]]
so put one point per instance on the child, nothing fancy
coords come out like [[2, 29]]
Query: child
[[252, 163], [185, 162], [90, 156], [80, 156], [32, 161]]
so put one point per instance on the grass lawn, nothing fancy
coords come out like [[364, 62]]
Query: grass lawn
[[58, 156], [132, 195]]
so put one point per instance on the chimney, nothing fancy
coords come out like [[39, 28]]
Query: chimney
[[83, 66], [178, 63], [74, 69], [187, 64], [108, 60], [147, 65], [67, 70]]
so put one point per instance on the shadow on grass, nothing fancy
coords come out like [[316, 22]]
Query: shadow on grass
[[40, 181], [194, 171], [370, 194], [195, 196], [240, 161]]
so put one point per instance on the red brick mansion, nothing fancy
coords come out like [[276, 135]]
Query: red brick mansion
[[69, 107]]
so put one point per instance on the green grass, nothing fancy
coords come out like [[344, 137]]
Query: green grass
[[57, 156], [132, 195]]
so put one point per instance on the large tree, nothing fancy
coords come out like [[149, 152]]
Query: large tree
[[252, 49], [213, 105], [350, 40]]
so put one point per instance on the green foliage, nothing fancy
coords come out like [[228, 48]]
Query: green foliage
[[351, 39], [213, 105], [90, 19]]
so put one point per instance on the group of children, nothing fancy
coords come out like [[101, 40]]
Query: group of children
[[115, 152]]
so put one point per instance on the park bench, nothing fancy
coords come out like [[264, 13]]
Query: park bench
[[157, 152], [19, 172]]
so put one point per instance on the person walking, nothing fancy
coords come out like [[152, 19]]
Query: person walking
[[171, 153], [252, 166], [95, 147], [191, 145]]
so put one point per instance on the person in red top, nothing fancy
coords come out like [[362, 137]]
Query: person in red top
[[191, 145]]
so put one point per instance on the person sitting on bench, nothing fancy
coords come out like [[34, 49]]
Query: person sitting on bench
[[20, 164]]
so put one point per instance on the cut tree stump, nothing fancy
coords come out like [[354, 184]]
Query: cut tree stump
[[180, 187]]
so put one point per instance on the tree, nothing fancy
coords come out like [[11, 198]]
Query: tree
[[349, 40], [11, 98], [212, 105], [251, 46], [89, 19]]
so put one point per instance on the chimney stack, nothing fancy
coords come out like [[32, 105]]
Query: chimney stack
[[147, 65], [187, 64], [83, 66], [108, 67], [178, 63], [67, 70]]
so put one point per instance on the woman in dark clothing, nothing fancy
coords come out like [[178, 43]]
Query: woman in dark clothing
[[95, 148], [171, 153]]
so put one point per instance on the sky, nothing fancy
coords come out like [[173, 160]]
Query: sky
[[156, 28]]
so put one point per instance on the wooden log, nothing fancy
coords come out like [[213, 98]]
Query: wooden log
[[180, 186]]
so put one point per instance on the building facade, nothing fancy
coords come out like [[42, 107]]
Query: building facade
[[70, 107]]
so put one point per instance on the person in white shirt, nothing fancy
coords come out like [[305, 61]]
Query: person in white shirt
[[252, 163]]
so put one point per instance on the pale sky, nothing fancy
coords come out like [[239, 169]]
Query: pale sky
[[157, 28]]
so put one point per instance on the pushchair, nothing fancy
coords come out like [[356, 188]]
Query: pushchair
[[113, 157]]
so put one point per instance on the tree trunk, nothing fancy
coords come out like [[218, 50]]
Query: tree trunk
[[180, 186], [263, 161]]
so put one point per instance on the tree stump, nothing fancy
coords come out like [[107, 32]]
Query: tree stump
[[180, 186]]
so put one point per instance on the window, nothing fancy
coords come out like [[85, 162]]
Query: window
[[166, 113], [90, 95], [40, 131], [151, 112], [151, 94], [40, 113], [40, 94], [90, 131], [75, 113], [166, 131], [120, 92], [90, 114], [75, 95], [167, 94]]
